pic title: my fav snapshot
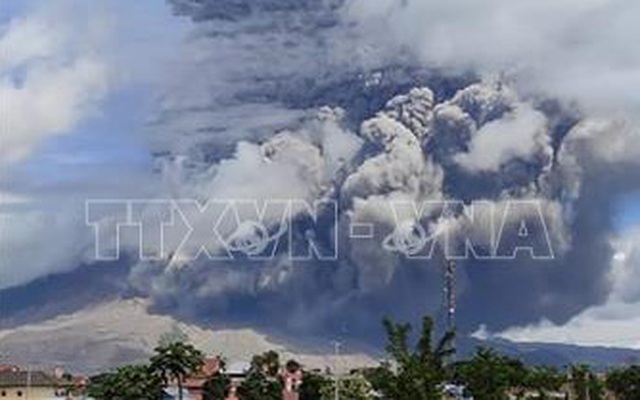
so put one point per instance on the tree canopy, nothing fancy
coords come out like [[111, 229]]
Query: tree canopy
[[131, 382], [175, 361], [417, 371], [262, 382], [625, 382]]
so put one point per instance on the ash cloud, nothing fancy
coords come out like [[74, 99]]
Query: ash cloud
[[419, 134], [410, 150], [364, 102]]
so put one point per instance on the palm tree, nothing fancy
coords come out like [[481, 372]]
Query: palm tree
[[175, 361], [585, 383], [418, 373], [625, 382], [217, 387], [489, 375], [543, 380], [263, 382]]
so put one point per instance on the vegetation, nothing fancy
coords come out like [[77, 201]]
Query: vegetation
[[544, 380], [585, 384], [625, 382], [417, 373], [175, 361], [217, 386], [352, 387], [262, 382], [413, 372], [312, 385], [488, 375], [131, 382]]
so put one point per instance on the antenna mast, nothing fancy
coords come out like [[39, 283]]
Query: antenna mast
[[450, 296]]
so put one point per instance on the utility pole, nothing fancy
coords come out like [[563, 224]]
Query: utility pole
[[28, 394], [336, 388]]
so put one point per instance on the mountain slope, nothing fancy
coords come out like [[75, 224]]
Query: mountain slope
[[122, 331]]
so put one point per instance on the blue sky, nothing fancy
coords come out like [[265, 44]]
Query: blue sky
[[104, 85], [112, 137], [10, 9], [628, 212]]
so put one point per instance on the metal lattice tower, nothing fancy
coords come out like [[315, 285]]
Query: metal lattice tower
[[450, 295]]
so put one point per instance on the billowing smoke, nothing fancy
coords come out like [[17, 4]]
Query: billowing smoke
[[328, 117], [364, 104], [484, 143]]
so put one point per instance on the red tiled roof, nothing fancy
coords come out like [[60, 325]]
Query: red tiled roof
[[210, 367]]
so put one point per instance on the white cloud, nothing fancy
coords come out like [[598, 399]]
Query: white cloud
[[32, 245], [608, 140], [614, 323], [520, 134], [51, 75], [60, 61], [585, 50]]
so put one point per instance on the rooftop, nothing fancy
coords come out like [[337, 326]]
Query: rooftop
[[12, 378]]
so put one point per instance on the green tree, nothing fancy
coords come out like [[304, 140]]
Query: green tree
[[489, 375], [175, 361], [595, 387], [543, 380], [217, 387], [262, 382], [132, 382], [352, 387], [259, 386], [268, 362], [579, 377], [416, 374], [625, 382], [585, 384], [312, 384], [379, 376]]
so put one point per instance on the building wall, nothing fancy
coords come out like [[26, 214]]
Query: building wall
[[33, 393]]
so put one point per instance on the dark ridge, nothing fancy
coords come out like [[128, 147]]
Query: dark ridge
[[63, 293]]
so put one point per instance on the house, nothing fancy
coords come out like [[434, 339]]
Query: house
[[292, 379], [16, 384], [453, 391], [237, 371], [194, 384], [172, 393]]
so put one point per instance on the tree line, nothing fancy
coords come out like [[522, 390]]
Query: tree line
[[415, 371]]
